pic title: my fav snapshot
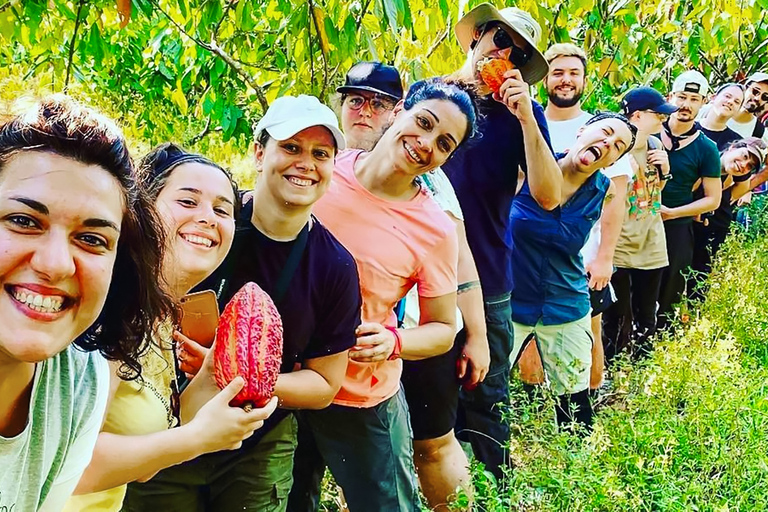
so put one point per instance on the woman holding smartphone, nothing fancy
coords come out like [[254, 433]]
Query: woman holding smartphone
[[196, 200], [79, 256]]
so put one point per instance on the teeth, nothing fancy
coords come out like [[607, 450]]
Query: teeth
[[42, 303], [413, 153], [299, 181], [198, 240]]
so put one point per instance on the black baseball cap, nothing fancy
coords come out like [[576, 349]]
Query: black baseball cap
[[374, 77], [646, 98]]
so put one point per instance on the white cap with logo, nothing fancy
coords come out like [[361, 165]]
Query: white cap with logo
[[288, 115], [691, 81]]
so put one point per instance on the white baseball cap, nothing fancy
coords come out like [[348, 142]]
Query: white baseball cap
[[691, 81], [288, 115]]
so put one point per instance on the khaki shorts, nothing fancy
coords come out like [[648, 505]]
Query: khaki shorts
[[565, 351]]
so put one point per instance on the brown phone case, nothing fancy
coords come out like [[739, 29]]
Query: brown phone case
[[200, 316]]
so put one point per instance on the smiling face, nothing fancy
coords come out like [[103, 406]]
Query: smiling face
[[59, 229], [728, 101], [739, 162], [485, 47], [756, 98], [197, 208], [565, 81], [423, 137], [298, 170], [689, 104], [364, 118], [600, 144]]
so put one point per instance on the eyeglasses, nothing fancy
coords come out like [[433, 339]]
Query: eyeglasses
[[502, 40], [377, 103]]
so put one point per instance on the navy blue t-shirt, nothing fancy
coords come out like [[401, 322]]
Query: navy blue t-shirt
[[321, 307], [484, 175]]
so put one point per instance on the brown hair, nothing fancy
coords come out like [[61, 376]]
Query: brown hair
[[135, 301]]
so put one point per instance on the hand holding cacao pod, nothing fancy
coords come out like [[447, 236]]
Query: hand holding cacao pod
[[492, 72], [249, 344]]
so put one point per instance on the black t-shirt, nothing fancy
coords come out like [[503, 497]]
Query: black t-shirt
[[722, 138], [321, 307]]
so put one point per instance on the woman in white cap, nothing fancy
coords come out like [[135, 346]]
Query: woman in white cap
[[314, 283]]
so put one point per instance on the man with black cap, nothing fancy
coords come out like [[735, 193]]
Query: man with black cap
[[746, 121], [641, 251], [484, 173], [692, 156], [368, 96]]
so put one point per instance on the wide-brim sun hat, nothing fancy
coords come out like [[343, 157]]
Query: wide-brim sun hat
[[516, 20], [288, 115]]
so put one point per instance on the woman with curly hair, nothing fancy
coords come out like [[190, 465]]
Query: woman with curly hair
[[197, 202], [80, 252]]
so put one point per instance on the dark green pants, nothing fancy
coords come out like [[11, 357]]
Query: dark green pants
[[258, 479]]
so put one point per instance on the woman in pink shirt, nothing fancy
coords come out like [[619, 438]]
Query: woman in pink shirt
[[399, 238]]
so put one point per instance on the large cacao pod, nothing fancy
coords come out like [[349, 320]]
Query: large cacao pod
[[492, 72], [249, 343]]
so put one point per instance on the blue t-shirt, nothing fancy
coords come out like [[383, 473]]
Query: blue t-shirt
[[321, 307], [550, 281], [484, 175]]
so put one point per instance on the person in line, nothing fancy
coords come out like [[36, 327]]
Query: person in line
[[641, 251], [368, 96], [567, 67], [739, 162], [692, 156], [196, 200], [313, 281], [441, 464], [400, 238], [713, 121], [745, 122], [550, 296], [513, 140], [80, 252]]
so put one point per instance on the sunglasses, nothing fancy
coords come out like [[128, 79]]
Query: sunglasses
[[502, 40], [378, 104]]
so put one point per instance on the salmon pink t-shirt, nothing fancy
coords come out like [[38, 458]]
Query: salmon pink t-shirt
[[396, 245]]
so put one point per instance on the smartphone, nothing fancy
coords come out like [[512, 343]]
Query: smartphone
[[200, 316]]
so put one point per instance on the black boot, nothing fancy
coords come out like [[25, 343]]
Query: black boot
[[575, 408]]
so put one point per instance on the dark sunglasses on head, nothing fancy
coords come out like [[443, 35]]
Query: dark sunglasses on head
[[502, 40]]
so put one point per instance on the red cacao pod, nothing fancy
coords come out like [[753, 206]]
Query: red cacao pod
[[249, 343], [492, 72]]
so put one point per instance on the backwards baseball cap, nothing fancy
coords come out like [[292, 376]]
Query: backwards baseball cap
[[374, 77], [691, 81], [646, 98], [289, 115], [757, 77], [516, 20]]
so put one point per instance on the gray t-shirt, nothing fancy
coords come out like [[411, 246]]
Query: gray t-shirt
[[40, 467]]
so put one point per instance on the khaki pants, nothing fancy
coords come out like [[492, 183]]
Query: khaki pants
[[565, 351]]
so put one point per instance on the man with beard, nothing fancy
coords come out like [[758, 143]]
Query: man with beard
[[565, 87], [368, 96], [484, 173], [725, 103], [692, 156], [745, 122]]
